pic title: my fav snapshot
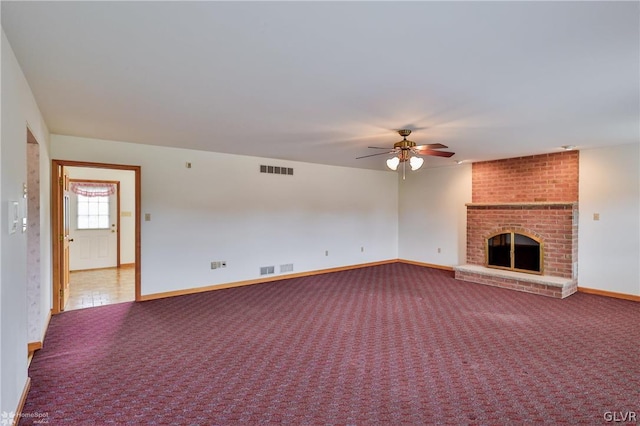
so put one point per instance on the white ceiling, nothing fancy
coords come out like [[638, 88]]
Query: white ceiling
[[321, 81]]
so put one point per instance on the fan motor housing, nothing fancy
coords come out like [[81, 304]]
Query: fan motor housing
[[404, 144]]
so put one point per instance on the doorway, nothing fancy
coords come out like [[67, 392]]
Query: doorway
[[100, 257], [37, 302]]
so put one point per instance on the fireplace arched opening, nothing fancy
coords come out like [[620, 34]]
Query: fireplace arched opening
[[515, 251]]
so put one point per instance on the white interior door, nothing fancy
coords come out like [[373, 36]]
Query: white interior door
[[94, 232]]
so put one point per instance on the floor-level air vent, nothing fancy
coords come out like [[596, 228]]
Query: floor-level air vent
[[276, 170], [286, 268], [266, 270]]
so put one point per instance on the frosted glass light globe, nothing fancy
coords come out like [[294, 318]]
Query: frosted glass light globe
[[416, 162], [392, 163]]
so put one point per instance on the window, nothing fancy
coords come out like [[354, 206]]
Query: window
[[93, 203], [93, 212]]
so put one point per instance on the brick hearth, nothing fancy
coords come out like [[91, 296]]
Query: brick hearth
[[530, 283]]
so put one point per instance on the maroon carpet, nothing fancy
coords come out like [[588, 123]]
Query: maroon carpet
[[382, 345]]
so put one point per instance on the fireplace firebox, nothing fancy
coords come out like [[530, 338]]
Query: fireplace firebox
[[515, 251]]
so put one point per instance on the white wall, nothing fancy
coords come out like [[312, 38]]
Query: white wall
[[19, 110], [609, 248], [432, 215], [127, 204], [223, 209]]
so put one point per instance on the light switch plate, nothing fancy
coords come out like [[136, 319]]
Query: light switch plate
[[13, 214]]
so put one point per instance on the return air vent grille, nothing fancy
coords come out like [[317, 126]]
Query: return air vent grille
[[286, 268], [266, 270], [276, 170]]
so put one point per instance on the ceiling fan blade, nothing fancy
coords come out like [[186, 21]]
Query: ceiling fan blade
[[380, 153], [378, 147], [431, 146], [435, 153]]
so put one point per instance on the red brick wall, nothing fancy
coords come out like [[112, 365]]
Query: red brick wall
[[547, 177], [521, 183], [553, 224]]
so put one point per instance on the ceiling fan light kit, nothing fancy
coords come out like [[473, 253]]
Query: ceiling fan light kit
[[416, 162], [408, 151], [393, 162]]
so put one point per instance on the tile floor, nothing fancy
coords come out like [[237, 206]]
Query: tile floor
[[101, 287]]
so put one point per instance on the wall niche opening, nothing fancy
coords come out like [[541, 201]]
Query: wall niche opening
[[515, 251]]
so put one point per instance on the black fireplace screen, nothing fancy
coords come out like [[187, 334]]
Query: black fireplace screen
[[518, 252]]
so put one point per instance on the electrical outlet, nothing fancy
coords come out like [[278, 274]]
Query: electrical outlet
[[147, 217]]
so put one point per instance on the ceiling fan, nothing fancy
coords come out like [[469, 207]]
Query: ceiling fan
[[408, 151]]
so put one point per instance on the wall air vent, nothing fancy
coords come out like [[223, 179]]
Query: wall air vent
[[286, 268], [267, 270], [276, 170]]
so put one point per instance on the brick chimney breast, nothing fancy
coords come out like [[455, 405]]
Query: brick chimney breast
[[536, 195]]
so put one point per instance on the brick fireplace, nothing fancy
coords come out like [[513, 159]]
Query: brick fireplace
[[538, 196]]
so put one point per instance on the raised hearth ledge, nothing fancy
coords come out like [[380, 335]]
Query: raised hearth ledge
[[557, 287], [525, 204], [520, 276]]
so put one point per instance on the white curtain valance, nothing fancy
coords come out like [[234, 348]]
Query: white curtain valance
[[93, 189]]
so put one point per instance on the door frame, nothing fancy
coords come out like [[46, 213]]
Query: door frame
[[57, 226]]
